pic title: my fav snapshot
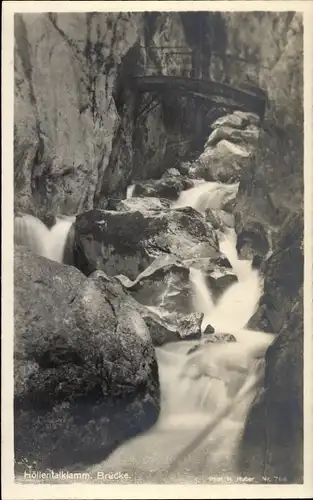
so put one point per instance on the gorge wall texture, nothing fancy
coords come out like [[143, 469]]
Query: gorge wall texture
[[80, 136], [74, 133]]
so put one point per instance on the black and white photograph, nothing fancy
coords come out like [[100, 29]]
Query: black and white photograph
[[160, 256]]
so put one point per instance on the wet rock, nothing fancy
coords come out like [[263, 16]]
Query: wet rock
[[142, 204], [219, 219], [127, 242], [160, 332], [189, 326], [213, 338], [84, 365], [250, 135], [262, 198], [164, 326], [219, 281], [283, 277], [233, 120], [224, 163], [272, 444], [273, 439], [171, 172], [251, 118], [184, 167], [252, 241], [164, 285], [168, 187], [209, 330], [222, 262]]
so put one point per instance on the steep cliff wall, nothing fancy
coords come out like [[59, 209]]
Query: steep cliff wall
[[75, 139], [65, 115]]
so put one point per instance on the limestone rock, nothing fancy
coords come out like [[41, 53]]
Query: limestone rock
[[127, 242], [272, 443], [273, 440], [212, 338], [251, 118], [142, 204], [219, 219], [168, 187], [249, 135], [84, 364], [283, 273], [233, 120], [224, 162], [171, 327], [219, 281]]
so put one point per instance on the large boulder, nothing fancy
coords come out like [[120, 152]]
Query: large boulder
[[249, 135], [164, 288], [224, 163], [163, 327], [85, 372], [127, 242]]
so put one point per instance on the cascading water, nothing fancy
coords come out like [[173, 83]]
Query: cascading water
[[129, 191], [58, 237], [206, 195], [33, 234], [206, 389]]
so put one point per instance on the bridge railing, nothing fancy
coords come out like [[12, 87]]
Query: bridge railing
[[175, 60]]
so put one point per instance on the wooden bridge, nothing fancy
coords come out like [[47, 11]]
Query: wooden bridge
[[248, 99]]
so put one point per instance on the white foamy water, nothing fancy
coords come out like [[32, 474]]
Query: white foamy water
[[58, 236], [33, 234], [129, 191], [206, 195], [205, 394]]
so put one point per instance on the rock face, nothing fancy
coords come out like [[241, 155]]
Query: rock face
[[65, 69], [273, 440], [127, 242], [74, 135], [265, 63], [229, 151], [263, 202], [86, 376]]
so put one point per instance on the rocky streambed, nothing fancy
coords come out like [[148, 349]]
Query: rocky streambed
[[96, 336]]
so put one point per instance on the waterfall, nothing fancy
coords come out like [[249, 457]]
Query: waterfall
[[130, 190], [206, 388], [58, 237], [206, 195], [34, 235]]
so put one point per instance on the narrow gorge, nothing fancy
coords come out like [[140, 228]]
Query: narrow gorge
[[158, 230]]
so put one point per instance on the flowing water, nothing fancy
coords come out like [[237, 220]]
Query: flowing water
[[205, 393], [206, 195], [130, 190], [33, 234]]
